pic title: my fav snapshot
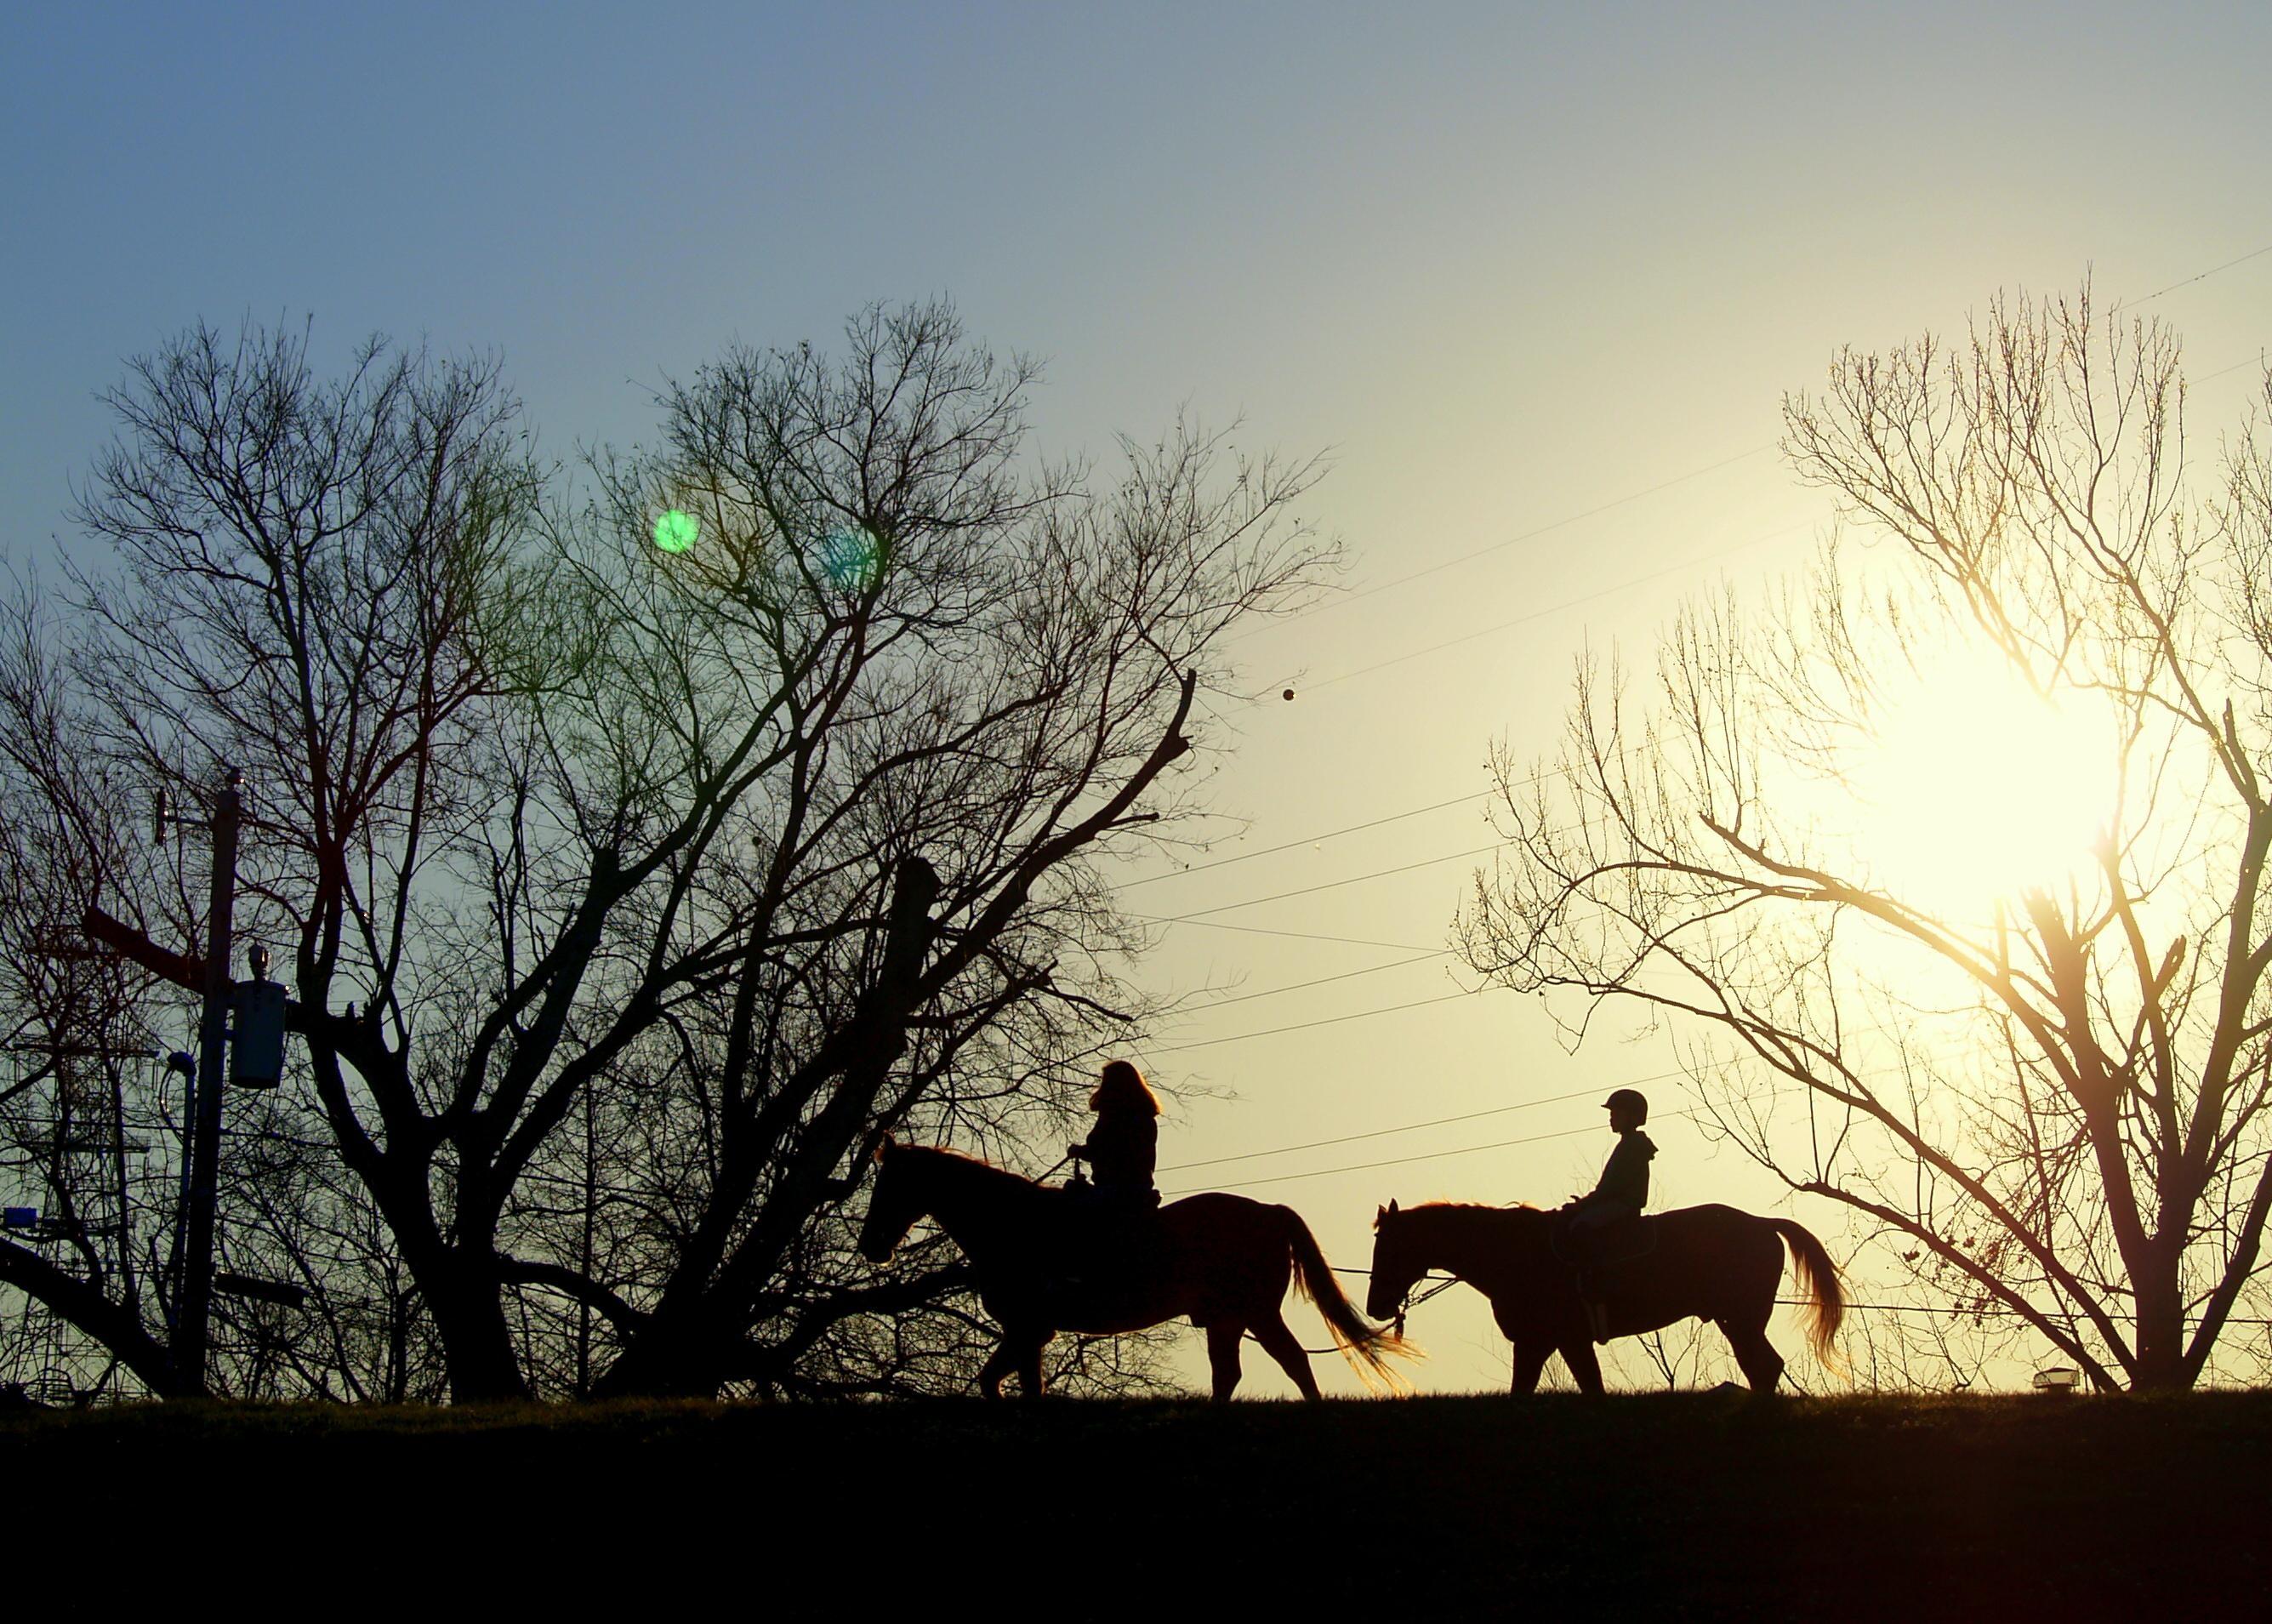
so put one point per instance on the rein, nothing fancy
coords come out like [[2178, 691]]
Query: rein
[[1411, 1302]]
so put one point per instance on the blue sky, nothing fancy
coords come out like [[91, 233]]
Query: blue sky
[[1509, 264]]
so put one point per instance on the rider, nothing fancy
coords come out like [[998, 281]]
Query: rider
[[1617, 1199], [1122, 1147], [1109, 1216]]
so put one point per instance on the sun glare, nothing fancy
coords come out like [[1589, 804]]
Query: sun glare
[[1979, 789]]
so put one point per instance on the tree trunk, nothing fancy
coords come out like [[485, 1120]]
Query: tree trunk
[[2162, 1365], [468, 1313], [674, 1356]]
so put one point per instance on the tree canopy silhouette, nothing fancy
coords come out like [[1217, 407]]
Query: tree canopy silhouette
[[634, 890], [2028, 1050]]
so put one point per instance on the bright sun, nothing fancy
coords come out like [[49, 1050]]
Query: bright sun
[[1978, 790]]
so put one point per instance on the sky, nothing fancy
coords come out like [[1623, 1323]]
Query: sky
[[1534, 279]]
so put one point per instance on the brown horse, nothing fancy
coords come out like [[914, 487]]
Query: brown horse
[[1221, 1259], [1709, 1262]]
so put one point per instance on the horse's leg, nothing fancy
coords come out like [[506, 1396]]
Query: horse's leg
[[1578, 1354], [1222, 1358], [1761, 1365], [1529, 1361], [1030, 1361], [1280, 1344], [998, 1365]]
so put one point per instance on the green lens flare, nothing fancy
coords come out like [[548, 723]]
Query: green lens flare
[[850, 559], [675, 530]]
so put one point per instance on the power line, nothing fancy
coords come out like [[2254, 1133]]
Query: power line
[[2189, 280], [2254, 360], [1358, 1167], [1532, 535], [1300, 1026], [1372, 969], [1679, 479], [1469, 1150], [1556, 608], [1533, 778], [1200, 868], [1256, 929], [1525, 782], [1408, 1127], [1379, 874]]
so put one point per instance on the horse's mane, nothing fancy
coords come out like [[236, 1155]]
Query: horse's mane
[[965, 1163], [1516, 1215], [1474, 1206]]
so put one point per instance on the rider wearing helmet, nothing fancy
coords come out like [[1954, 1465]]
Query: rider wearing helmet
[[1623, 1188], [1616, 1200]]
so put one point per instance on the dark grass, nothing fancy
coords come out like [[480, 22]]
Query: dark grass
[[1673, 1506]]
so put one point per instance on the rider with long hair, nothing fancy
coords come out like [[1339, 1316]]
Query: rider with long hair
[[1123, 1147]]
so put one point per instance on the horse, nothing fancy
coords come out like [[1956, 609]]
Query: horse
[[1221, 1260], [1713, 1263]]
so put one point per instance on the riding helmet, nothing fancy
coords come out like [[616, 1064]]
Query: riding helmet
[[1630, 1098]]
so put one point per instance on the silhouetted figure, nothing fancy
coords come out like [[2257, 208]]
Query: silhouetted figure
[[1222, 1262], [1123, 1147], [1706, 1263], [1602, 1219], [1108, 1228]]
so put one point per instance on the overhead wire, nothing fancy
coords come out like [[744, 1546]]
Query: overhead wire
[[1689, 1113], [1555, 609], [1410, 1127], [1301, 1026], [2187, 282], [1544, 529], [1398, 1160], [1438, 1156], [1256, 929], [1312, 840], [1297, 986], [1334, 885], [1680, 479]]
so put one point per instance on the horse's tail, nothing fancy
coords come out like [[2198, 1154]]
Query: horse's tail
[[1825, 1298], [1364, 1344]]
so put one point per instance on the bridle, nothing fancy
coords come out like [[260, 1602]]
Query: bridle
[[1411, 1302]]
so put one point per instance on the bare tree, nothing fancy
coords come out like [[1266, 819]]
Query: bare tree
[[2050, 1104], [636, 889]]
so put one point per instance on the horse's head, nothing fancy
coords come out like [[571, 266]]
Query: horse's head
[[1396, 1265], [893, 1204]]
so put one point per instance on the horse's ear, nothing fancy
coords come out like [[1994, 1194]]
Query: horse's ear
[[1391, 1207], [885, 1144]]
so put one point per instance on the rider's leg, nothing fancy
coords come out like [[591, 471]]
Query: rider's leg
[[1280, 1344], [1222, 1358]]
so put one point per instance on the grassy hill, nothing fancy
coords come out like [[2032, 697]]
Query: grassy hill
[[1676, 1506]]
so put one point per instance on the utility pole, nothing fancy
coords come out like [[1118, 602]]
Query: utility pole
[[191, 1335], [261, 1010]]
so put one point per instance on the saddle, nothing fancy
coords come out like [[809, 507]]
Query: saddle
[[1594, 1262], [1107, 1243], [1606, 1247]]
